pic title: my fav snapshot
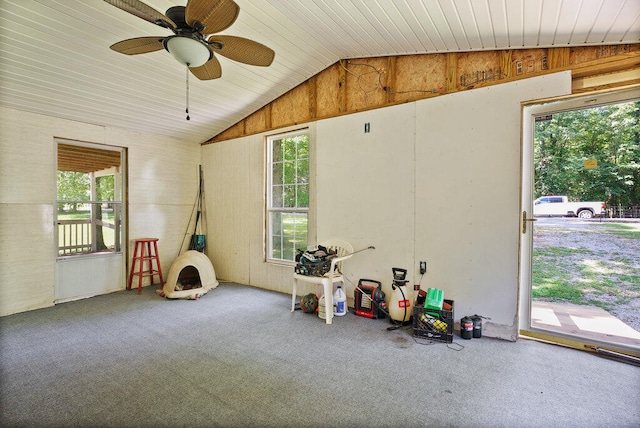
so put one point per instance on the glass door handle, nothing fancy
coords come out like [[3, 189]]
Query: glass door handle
[[525, 219]]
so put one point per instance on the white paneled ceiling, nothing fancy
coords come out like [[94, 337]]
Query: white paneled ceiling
[[55, 58]]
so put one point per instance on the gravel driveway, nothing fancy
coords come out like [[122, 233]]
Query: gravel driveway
[[609, 252]]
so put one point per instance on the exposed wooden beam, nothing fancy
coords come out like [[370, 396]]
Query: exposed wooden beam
[[605, 81], [559, 57], [86, 159], [451, 72], [313, 97], [505, 64], [391, 78], [267, 116], [342, 87], [606, 65]]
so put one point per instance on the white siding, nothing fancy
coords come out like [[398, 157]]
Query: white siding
[[436, 180], [163, 185]]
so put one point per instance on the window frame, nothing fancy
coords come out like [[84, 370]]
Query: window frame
[[79, 238], [269, 208]]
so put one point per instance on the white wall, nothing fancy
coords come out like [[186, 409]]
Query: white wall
[[435, 180], [468, 196], [234, 201], [366, 190], [228, 199], [162, 189]]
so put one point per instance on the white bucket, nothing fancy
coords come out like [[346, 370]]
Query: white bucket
[[322, 308]]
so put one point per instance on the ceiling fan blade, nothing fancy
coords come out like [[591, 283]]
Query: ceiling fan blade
[[138, 45], [210, 70], [215, 15], [243, 50], [141, 10]]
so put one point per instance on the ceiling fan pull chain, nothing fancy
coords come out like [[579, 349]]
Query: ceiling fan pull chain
[[187, 111]]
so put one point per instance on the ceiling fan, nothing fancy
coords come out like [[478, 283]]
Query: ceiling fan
[[189, 44]]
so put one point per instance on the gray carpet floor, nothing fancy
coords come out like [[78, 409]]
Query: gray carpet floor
[[237, 357]]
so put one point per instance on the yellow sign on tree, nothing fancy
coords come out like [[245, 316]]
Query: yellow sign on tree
[[590, 163]]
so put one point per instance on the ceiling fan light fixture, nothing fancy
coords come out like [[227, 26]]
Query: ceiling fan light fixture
[[188, 51]]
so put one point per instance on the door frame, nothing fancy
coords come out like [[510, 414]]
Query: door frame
[[529, 112], [71, 269]]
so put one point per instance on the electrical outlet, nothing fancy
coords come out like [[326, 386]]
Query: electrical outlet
[[423, 268]]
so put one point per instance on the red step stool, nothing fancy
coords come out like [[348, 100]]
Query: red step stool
[[145, 250]]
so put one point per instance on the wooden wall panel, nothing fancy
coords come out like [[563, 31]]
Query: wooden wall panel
[[451, 72], [291, 108], [234, 131], [419, 76], [388, 81], [592, 53], [364, 90], [531, 62], [312, 89], [477, 68], [256, 123], [505, 64], [349, 86], [327, 89]]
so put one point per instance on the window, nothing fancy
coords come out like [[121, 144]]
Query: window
[[89, 214], [287, 195]]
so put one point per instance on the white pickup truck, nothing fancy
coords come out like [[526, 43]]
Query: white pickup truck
[[559, 206]]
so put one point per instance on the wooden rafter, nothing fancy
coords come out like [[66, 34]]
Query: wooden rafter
[[86, 159]]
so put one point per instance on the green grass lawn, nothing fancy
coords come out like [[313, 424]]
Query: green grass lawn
[[586, 277], [294, 236]]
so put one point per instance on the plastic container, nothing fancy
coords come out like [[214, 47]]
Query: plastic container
[[339, 302], [434, 300], [438, 327], [322, 305], [399, 305]]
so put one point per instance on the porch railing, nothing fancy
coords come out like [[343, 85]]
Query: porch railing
[[74, 237], [98, 230]]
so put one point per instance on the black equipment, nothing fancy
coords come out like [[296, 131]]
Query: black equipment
[[466, 327], [314, 262], [399, 276]]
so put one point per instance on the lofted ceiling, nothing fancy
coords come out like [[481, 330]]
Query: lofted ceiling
[[55, 58]]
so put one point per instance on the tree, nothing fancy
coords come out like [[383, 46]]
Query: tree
[[104, 192], [73, 186], [105, 188], [295, 155], [610, 134]]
